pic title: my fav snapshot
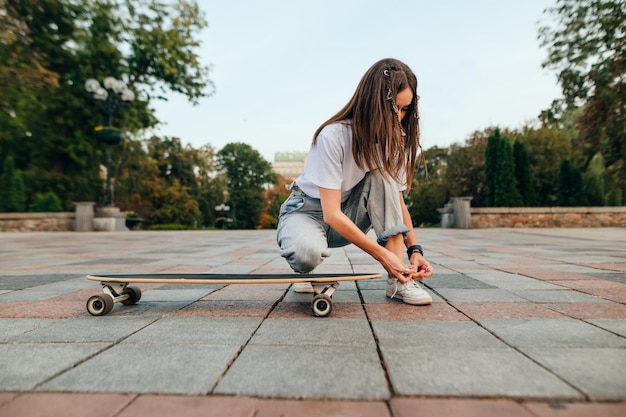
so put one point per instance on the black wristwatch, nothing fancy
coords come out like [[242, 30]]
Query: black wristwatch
[[414, 248]]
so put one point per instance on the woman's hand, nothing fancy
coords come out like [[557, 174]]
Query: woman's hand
[[420, 268], [394, 267]]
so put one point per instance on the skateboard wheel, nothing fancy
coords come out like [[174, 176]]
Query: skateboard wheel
[[322, 305], [99, 305], [134, 295]]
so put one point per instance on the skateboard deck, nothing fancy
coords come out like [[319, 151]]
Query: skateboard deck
[[116, 288]]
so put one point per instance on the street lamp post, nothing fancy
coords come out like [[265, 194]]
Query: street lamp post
[[222, 212], [108, 97]]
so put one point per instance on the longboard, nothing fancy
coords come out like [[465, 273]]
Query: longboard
[[116, 288]]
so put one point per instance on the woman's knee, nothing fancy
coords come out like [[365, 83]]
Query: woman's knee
[[303, 256]]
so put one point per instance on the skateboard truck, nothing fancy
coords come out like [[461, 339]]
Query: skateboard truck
[[114, 292], [322, 301]]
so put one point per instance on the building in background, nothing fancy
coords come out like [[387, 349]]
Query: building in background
[[289, 164]]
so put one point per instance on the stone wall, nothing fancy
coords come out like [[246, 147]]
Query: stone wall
[[482, 218], [37, 222]]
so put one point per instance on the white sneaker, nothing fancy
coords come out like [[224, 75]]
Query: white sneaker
[[409, 292], [303, 287]]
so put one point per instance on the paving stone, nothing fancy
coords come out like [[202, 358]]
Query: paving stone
[[250, 292], [552, 333], [175, 295], [197, 330], [47, 291], [433, 335], [338, 297], [514, 282], [453, 294], [373, 284], [226, 308], [557, 296], [25, 365], [49, 309], [380, 297], [617, 326], [400, 311], [325, 372], [307, 332], [304, 310], [611, 276], [436, 407], [489, 310], [219, 406], [11, 327], [20, 282], [613, 291], [563, 409], [586, 311], [6, 397], [148, 368], [455, 281], [67, 405], [84, 329], [599, 373], [471, 372]]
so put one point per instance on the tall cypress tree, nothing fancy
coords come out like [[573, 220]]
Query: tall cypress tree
[[523, 174], [571, 189], [594, 180], [491, 165], [506, 192], [564, 187], [578, 197]]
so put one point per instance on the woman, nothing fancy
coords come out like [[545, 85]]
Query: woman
[[360, 162]]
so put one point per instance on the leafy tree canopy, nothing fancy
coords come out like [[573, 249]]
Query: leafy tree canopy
[[586, 43], [51, 47]]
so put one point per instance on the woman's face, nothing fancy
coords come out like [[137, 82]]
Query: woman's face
[[403, 101]]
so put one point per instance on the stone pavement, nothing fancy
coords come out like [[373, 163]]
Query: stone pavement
[[524, 322]]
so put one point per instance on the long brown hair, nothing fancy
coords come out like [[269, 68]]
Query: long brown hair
[[379, 141]]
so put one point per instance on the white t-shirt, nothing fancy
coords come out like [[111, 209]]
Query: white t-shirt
[[330, 163]]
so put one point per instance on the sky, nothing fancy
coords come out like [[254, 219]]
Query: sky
[[281, 68]]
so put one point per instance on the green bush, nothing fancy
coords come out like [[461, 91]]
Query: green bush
[[170, 226], [424, 201], [46, 203]]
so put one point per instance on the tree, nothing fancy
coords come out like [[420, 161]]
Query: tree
[[499, 168], [429, 192], [506, 188], [546, 147], [593, 179], [587, 47], [570, 192], [12, 193], [247, 174], [149, 174], [23, 66], [491, 167], [523, 174], [151, 45], [275, 196], [464, 173]]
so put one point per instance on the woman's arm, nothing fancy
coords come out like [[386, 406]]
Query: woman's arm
[[420, 267], [335, 218]]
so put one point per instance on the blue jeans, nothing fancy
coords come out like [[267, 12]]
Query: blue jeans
[[303, 237]]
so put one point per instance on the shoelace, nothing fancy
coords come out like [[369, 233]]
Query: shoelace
[[408, 284]]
